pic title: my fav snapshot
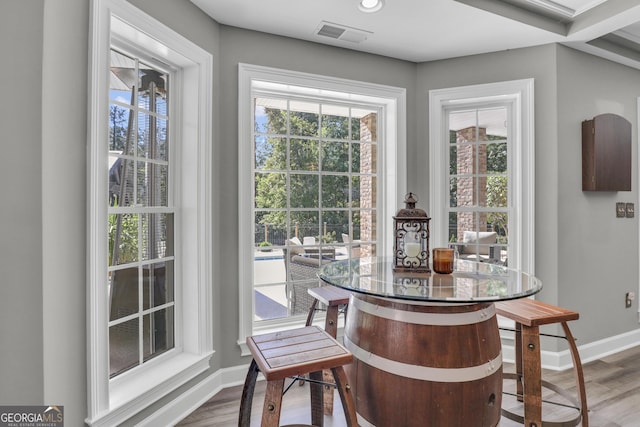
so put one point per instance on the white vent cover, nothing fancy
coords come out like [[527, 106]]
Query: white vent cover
[[342, 32]]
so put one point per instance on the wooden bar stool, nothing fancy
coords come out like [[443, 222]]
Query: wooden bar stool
[[529, 315], [294, 353], [334, 299]]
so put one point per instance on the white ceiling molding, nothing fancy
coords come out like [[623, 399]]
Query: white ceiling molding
[[422, 31]]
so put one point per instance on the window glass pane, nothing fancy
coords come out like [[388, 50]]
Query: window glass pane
[[499, 222], [334, 225], [158, 334], [157, 284], [119, 128], [366, 220], [152, 184], [271, 153], [496, 191], [355, 225], [453, 160], [270, 116], [123, 77], [303, 118], [123, 347], [152, 89], [462, 191], [270, 301], [335, 191], [160, 151], [307, 224], [480, 245], [335, 156], [453, 192], [123, 293], [270, 227], [355, 191], [497, 157], [494, 123], [145, 134], [157, 235], [463, 125], [453, 227], [270, 190], [121, 182], [304, 191], [123, 238], [304, 155], [335, 122], [363, 124], [355, 157]]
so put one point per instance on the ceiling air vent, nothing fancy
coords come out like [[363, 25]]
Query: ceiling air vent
[[341, 32]]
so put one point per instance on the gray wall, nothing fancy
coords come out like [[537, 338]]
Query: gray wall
[[21, 345], [586, 258], [597, 252]]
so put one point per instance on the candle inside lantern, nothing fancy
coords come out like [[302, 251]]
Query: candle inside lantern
[[412, 249]]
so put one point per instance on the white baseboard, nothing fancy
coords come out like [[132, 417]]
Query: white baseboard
[[196, 396], [179, 408]]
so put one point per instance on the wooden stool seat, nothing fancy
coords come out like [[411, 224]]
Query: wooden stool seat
[[529, 315], [294, 353], [333, 298]]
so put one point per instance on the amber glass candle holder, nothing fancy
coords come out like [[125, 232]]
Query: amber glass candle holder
[[443, 259]]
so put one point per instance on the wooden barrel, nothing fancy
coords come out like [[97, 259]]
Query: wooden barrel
[[424, 365]]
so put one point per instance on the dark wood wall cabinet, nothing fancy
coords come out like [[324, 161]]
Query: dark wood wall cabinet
[[606, 153]]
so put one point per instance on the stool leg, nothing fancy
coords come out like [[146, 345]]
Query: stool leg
[[518, 347], [317, 413], [311, 313], [346, 397], [331, 326], [244, 419], [577, 369], [272, 403], [532, 374]]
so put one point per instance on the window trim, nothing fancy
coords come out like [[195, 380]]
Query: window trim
[[111, 402], [520, 94], [391, 165]]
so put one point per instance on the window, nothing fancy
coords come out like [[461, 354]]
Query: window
[[141, 232], [481, 155], [312, 152], [149, 277]]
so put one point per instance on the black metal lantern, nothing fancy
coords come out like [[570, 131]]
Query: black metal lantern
[[411, 233]]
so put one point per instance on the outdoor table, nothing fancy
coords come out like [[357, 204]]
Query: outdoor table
[[426, 346]]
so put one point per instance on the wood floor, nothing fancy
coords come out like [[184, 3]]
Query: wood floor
[[613, 393]]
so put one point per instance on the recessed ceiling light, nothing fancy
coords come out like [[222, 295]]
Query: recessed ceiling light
[[370, 6]]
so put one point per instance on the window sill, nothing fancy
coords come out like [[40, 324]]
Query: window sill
[[131, 395]]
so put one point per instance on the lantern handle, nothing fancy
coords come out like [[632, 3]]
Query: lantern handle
[[410, 200]]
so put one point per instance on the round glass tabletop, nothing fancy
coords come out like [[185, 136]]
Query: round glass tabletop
[[470, 282]]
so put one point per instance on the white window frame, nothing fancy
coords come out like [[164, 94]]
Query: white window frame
[[111, 402], [519, 95], [391, 161]]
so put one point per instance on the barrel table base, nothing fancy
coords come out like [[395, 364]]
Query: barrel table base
[[417, 364]]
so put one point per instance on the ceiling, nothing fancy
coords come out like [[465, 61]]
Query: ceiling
[[427, 30]]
